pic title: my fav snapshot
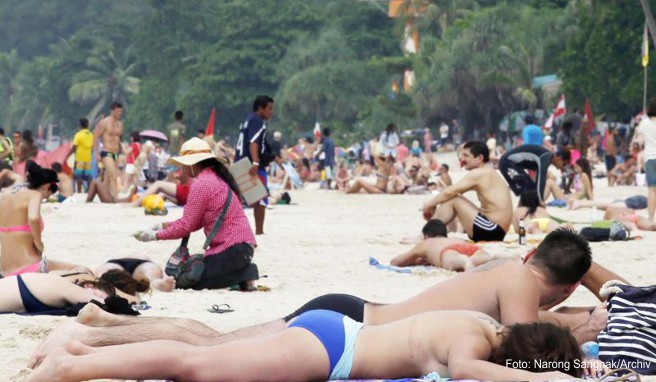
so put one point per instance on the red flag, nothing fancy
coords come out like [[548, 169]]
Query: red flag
[[588, 115], [209, 130], [558, 112]]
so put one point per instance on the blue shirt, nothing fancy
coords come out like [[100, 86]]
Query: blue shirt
[[253, 130], [329, 150], [532, 135]]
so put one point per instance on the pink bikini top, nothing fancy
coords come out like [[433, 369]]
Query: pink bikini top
[[20, 228]]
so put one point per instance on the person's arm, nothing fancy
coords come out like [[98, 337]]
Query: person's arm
[[466, 361], [6, 152], [34, 219], [467, 183], [519, 299], [415, 256], [97, 133], [587, 186], [192, 214]]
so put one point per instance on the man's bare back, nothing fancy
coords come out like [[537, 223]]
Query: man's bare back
[[508, 293]]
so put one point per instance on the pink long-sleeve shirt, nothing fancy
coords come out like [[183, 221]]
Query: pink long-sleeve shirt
[[207, 196]]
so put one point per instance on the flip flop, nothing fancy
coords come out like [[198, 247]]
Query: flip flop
[[220, 308]]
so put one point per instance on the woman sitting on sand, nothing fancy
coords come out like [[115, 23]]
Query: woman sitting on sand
[[534, 214], [582, 181], [40, 293], [385, 166], [142, 269], [227, 260], [21, 225], [329, 345]]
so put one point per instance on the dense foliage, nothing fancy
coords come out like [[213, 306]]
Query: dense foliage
[[328, 61]]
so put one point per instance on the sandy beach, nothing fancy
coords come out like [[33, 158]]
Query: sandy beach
[[319, 244]]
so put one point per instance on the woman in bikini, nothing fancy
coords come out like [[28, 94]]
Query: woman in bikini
[[37, 293], [328, 345], [142, 269], [385, 166], [21, 225], [536, 216]]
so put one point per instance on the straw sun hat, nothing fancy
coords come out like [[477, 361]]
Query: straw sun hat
[[193, 151]]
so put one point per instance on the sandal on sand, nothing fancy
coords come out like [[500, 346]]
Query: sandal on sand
[[249, 288], [628, 375], [220, 308]]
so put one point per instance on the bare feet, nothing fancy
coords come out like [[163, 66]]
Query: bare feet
[[55, 367], [64, 333], [165, 284], [92, 315]]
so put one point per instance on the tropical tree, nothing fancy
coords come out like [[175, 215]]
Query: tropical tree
[[108, 77], [10, 65]]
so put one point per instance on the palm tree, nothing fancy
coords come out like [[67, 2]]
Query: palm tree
[[10, 65], [108, 78]]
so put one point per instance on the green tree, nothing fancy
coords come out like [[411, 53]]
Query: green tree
[[10, 65], [107, 78]]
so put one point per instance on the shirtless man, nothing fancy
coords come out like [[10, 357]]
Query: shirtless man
[[385, 167], [487, 223], [510, 293], [328, 345], [438, 250], [109, 131]]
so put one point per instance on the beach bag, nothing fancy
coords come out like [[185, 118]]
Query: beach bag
[[629, 339], [175, 264], [615, 232]]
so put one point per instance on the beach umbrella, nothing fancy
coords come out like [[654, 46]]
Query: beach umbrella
[[153, 134], [46, 159]]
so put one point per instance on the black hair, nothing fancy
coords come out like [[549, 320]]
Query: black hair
[[222, 172], [56, 167], [179, 115], [530, 200], [390, 129], [261, 102], [529, 119], [38, 176], [446, 166], [564, 256], [434, 228], [135, 136], [326, 131], [201, 131], [27, 136], [567, 125], [84, 123], [477, 148], [2, 131], [651, 108], [123, 281], [117, 104], [564, 153]]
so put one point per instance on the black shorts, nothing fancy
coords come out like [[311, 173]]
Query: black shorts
[[129, 264], [232, 266], [486, 230], [109, 154], [345, 304]]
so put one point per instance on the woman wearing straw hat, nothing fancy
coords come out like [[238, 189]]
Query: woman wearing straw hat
[[213, 194]]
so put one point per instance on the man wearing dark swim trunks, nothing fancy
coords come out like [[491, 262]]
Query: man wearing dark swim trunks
[[491, 220], [109, 131]]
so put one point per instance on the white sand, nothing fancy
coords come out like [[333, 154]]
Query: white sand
[[321, 244]]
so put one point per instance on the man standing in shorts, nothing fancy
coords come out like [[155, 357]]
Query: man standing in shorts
[[176, 133], [328, 151], [82, 146], [491, 220], [252, 144], [109, 131]]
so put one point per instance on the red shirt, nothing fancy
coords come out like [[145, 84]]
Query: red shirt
[[207, 196], [136, 149]]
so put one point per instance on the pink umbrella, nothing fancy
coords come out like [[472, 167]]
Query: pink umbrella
[[46, 159], [153, 134]]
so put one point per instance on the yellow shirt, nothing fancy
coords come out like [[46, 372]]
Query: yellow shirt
[[83, 142]]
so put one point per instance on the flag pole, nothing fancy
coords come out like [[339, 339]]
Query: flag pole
[[644, 91]]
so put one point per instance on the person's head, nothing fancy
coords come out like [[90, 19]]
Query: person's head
[[582, 166], [651, 108], [123, 281], [2, 132], [56, 167], [415, 144], [117, 110], [84, 123], [530, 200], [27, 136], [553, 346], [444, 168], [567, 126], [563, 257], [135, 136], [196, 155], [561, 158], [179, 115], [326, 132], [263, 106], [434, 228], [41, 179], [529, 119], [474, 154], [201, 134], [17, 137], [99, 288], [390, 128]]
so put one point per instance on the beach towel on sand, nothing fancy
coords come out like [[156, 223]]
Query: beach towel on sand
[[375, 263]]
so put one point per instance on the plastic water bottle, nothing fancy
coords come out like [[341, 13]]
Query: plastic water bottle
[[590, 349]]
